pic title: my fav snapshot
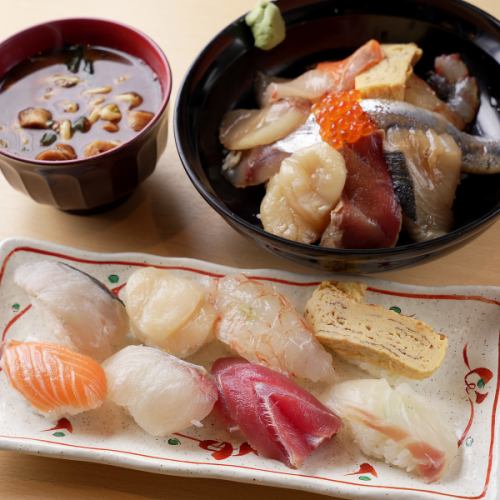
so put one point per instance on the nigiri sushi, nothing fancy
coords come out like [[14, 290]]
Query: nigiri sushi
[[279, 419], [88, 315], [169, 312], [262, 326], [163, 394], [396, 425], [53, 379]]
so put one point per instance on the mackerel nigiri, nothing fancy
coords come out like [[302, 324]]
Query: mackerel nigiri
[[53, 379], [88, 316], [280, 419]]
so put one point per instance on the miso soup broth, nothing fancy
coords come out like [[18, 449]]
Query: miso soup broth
[[75, 103]]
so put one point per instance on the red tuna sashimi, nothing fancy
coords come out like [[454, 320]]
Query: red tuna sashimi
[[368, 214], [279, 419]]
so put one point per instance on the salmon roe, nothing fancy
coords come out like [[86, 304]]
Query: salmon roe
[[341, 119]]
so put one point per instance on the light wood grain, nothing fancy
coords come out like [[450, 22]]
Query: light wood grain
[[166, 216]]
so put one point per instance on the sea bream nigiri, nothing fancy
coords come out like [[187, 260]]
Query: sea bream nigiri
[[163, 394], [280, 419], [262, 326], [396, 425], [87, 316], [53, 379]]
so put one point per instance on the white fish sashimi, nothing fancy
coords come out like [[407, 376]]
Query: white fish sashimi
[[168, 311], [89, 317], [263, 327], [396, 425], [249, 128], [162, 393]]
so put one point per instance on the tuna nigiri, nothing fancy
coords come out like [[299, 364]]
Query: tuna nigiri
[[168, 311], [262, 326], [54, 380], [279, 419], [396, 425], [90, 318], [162, 393]]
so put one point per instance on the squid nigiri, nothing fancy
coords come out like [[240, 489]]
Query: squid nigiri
[[395, 425], [279, 419], [162, 393], [262, 326], [90, 317], [168, 311], [53, 379]]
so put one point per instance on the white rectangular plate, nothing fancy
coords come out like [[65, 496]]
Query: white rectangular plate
[[466, 387]]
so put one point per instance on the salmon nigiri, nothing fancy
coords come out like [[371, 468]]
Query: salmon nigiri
[[53, 379]]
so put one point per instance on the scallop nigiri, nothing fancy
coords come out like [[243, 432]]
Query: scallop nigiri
[[396, 425], [162, 393], [262, 326], [89, 317], [168, 311], [280, 419], [53, 379]]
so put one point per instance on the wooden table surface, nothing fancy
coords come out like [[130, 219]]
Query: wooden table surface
[[166, 216]]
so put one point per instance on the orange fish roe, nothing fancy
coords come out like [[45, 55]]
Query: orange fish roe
[[341, 118]]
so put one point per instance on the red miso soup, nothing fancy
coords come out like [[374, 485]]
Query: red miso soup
[[75, 103]]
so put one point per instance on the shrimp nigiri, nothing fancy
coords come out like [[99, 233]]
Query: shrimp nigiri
[[169, 312], [396, 425], [53, 379], [162, 393], [90, 318], [263, 327], [280, 419]]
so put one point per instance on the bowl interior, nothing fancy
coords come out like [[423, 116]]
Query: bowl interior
[[222, 78], [55, 34]]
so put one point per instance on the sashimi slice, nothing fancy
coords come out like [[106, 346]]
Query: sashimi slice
[[395, 424], [55, 380], [368, 214], [261, 325], [327, 77], [278, 418], [249, 128]]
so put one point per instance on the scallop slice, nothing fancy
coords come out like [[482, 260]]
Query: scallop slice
[[248, 128], [300, 197], [169, 312]]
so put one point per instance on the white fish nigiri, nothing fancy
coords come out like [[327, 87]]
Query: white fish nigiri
[[89, 317], [163, 394], [395, 424], [263, 327], [169, 312]]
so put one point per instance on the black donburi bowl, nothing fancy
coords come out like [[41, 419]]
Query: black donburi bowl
[[222, 78]]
